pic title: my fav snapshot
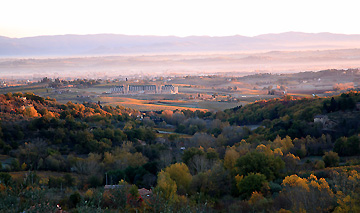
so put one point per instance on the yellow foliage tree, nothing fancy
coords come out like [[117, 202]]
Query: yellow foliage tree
[[243, 147], [49, 115], [309, 194], [167, 187], [295, 181], [255, 198], [137, 159], [23, 166], [231, 155], [31, 112], [257, 201], [238, 178], [291, 162], [121, 157], [179, 172], [264, 149], [347, 188], [278, 152], [347, 204], [284, 144]]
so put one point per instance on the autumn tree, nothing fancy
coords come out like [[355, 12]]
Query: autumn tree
[[291, 162], [264, 149], [180, 173], [346, 184], [284, 144], [308, 194], [167, 187], [124, 156], [258, 202], [31, 112], [231, 155]]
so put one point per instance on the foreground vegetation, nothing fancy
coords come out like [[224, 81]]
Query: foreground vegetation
[[276, 155]]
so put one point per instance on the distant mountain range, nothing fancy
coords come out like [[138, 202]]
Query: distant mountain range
[[110, 44]]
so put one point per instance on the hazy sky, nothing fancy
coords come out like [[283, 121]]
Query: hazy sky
[[22, 18]]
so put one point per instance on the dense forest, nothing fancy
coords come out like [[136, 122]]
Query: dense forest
[[279, 155]]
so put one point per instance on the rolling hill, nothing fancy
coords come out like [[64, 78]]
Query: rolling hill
[[109, 44]]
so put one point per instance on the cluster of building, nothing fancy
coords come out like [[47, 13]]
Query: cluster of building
[[3, 84], [145, 89]]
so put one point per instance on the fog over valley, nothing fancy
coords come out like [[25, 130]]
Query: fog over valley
[[110, 55], [237, 64]]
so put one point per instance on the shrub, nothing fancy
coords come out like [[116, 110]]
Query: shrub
[[331, 159], [275, 187], [5, 178], [95, 181], [320, 164], [69, 180], [74, 199]]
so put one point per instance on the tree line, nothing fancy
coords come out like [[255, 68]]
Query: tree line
[[211, 161]]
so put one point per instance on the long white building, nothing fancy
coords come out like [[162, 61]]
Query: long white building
[[144, 89]]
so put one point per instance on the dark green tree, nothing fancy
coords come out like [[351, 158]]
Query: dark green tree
[[257, 162], [251, 183]]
